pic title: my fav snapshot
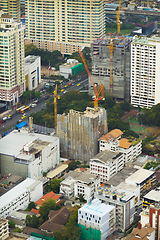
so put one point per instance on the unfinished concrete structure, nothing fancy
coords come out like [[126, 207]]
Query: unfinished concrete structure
[[121, 62], [79, 132]]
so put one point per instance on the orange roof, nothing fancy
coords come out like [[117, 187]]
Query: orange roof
[[123, 143], [83, 169], [35, 210], [47, 196], [115, 133]]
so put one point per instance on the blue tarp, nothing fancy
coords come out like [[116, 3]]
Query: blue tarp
[[20, 125]]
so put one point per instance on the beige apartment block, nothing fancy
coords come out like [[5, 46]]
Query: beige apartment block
[[12, 76], [64, 25], [11, 7]]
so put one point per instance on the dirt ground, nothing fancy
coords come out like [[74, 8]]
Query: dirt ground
[[44, 70]]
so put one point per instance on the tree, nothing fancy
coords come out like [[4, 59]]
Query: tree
[[37, 94], [31, 205], [81, 198], [73, 165], [11, 224], [45, 208], [71, 231], [58, 236]]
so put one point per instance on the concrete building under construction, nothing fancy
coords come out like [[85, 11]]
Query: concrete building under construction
[[79, 132], [121, 64]]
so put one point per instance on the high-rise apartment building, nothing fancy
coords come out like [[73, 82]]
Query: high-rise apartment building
[[64, 25], [119, 61], [145, 71], [11, 7], [12, 76]]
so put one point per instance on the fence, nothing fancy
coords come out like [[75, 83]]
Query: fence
[[43, 129]]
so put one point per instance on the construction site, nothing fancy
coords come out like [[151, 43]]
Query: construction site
[[111, 65], [79, 133]]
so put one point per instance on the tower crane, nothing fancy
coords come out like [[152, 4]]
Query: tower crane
[[111, 64], [55, 109], [118, 17], [98, 92]]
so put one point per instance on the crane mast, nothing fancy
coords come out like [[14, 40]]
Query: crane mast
[[100, 90]]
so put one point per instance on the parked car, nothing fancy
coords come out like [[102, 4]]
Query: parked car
[[36, 101]]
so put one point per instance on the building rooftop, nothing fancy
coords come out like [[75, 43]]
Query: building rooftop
[[68, 181], [86, 177], [153, 195], [95, 207], [124, 143], [30, 59], [14, 193], [121, 176], [142, 233], [111, 135], [57, 171], [46, 197], [106, 157], [89, 112], [146, 40], [140, 176], [13, 143]]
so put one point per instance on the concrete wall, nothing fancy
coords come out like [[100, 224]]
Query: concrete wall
[[9, 166]]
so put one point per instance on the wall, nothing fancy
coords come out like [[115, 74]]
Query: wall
[[9, 166]]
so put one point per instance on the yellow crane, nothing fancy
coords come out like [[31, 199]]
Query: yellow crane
[[100, 92], [111, 64], [118, 17], [55, 109]]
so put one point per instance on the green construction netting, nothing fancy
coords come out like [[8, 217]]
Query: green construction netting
[[41, 236], [77, 68], [89, 233]]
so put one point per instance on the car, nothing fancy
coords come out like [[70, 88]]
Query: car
[[36, 101], [33, 105], [78, 84], [1, 121], [9, 116], [62, 90], [70, 84], [23, 117], [45, 104], [66, 86], [4, 119]]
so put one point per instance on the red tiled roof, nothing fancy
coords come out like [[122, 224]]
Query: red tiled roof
[[112, 134], [35, 210], [83, 169], [46, 197]]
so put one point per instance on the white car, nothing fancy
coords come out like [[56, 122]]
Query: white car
[[33, 105], [5, 118]]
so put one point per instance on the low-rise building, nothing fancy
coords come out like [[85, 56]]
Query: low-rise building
[[144, 179], [112, 141], [97, 215], [147, 232], [32, 72], [67, 187], [151, 198], [20, 196], [56, 221], [28, 154], [50, 195], [4, 229], [151, 215], [79, 183], [124, 197], [71, 67], [85, 185], [106, 164]]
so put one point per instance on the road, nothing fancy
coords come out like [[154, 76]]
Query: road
[[17, 116]]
